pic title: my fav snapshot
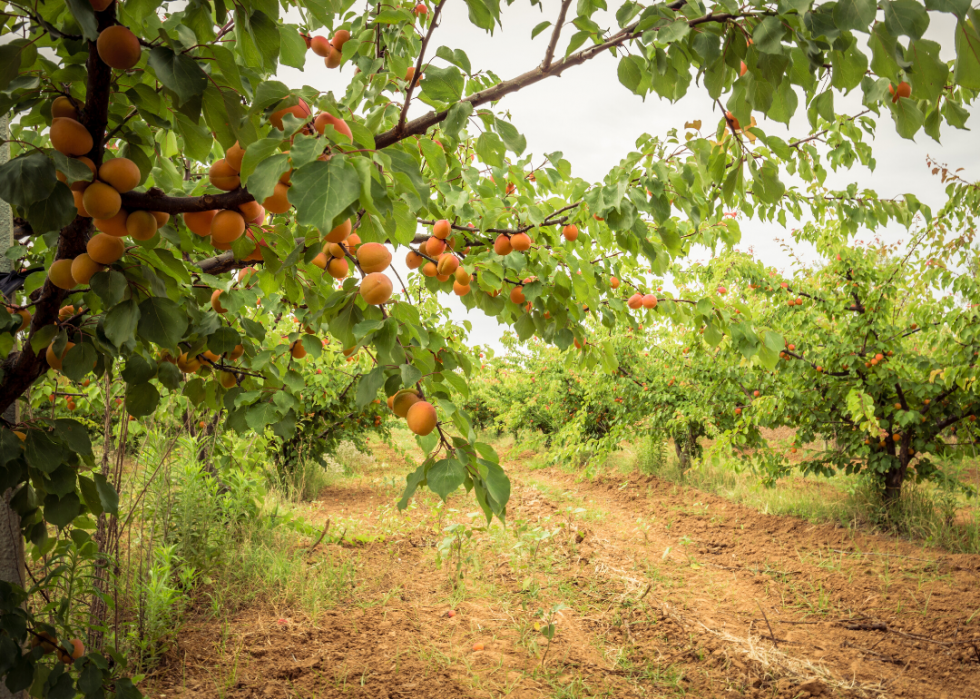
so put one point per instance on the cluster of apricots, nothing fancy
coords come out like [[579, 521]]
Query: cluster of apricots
[[419, 414], [442, 263], [330, 50], [372, 259], [49, 644]]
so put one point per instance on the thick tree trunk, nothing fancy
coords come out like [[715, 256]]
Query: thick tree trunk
[[683, 458]]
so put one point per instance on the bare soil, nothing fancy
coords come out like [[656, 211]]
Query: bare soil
[[655, 589]]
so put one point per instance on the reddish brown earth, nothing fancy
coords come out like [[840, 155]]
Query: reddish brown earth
[[667, 591]]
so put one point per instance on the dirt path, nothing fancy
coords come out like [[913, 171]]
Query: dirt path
[[655, 590]]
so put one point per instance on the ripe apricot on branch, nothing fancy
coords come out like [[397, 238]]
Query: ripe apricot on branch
[[570, 232], [402, 401], [903, 90], [101, 200], [613, 282], [278, 201], [649, 301], [216, 301], [421, 418], [118, 47], [435, 247], [79, 185], [297, 350], [188, 365], [54, 360], [228, 379], [301, 110], [635, 301], [121, 173], [520, 242], [224, 176], [460, 289], [340, 233], [115, 226], [447, 264], [234, 156], [517, 295], [63, 107], [105, 249], [373, 257], [376, 289], [227, 226], [319, 261], [25, 317], [339, 38], [60, 275], [141, 225], [442, 229], [321, 46], [413, 260], [325, 119], [462, 276], [200, 221], [429, 269], [70, 137], [502, 245], [83, 268], [337, 267], [79, 203]]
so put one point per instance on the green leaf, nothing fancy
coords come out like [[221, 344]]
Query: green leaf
[[540, 28], [262, 182], [458, 115], [110, 286], [162, 322], [178, 72], [75, 435], [630, 73], [138, 370], [929, 71], [966, 70], [323, 191], [90, 495], [511, 137], [368, 386], [412, 482], [120, 322], [675, 31], [292, 47], [55, 212], [224, 340], [854, 15], [956, 7], [109, 498], [79, 361], [768, 36], [443, 84], [906, 18], [61, 511], [445, 476], [27, 179], [43, 453], [141, 399], [260, 415], [197, 140], [83, 13], [908, 117]]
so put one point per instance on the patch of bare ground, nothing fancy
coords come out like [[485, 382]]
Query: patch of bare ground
[[655, 590]]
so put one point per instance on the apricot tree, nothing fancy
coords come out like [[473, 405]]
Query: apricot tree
[[156, 154]]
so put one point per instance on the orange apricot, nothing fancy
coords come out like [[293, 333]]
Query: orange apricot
[[188, 365], [373, 257], [903, 90], [320, 46], [413, 260], [118, 47], [517, 295], [650, 301], [63, 107], [333, 59], [223, 176], [216, 301], [101, 200], [114, 226], [162, 218], [376, 289], [83, 268], [54, 360], [502, 245], [200, 221], [462, 276], [278, 201], [340, 233], [297, 350], [421, 418], [59, 273], [301, 110], [251, 210], [227, 226], [237, 353], [447, 264], [570, 232], [234, 156], [141, 225], [121, 173], [435, 247], [635, 301], [520, 242], [402, 401], [70, 137], [323, 120], [228, 379], [613, 282], [105, 249], [429, 269], [460, 289], [339, 38], [320, 260], [79, 203], [442, 229], [337, 267]]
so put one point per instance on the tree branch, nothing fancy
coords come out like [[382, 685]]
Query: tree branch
[[156, 200], [559, 23], [417, 75]]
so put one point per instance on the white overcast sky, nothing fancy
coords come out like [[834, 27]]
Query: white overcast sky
[[589, 116]]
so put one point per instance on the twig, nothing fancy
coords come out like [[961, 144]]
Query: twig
[[559, 23], [321, 536], [771, 634]]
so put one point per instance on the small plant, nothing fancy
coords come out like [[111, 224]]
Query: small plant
[[549, 627], [452, 548]]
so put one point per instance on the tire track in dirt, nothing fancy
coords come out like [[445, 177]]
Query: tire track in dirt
[[728, 572]]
